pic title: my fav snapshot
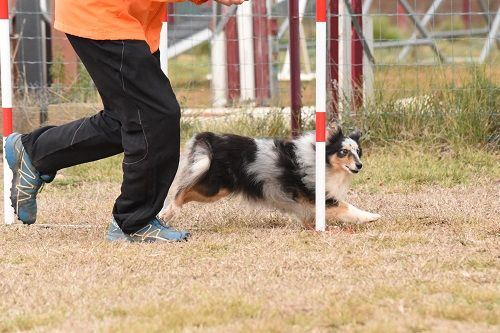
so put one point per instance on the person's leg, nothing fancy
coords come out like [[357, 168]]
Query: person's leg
[[34, 158], [130, 79], [52, 148], [142, 102]]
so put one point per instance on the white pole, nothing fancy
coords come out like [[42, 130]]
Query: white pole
[[490, 39], [344, 56], [219, 69], [246, 53], [320, 113], [368, 79], [164, 43], [6, 85], [219, 66]]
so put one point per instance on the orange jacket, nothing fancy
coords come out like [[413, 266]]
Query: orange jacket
[[113, 19]]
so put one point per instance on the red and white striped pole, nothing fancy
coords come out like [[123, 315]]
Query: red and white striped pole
[[6, 84], [320, 112], [164, 43]]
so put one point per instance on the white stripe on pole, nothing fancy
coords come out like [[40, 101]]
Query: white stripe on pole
[[164, 48], [245, 47], [6, 85], [5, 63], [320, 107]]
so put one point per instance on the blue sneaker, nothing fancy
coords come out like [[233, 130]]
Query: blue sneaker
[[152, 232], [116, 234], [26, 182]]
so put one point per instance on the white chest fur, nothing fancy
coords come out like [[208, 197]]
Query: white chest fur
[[337, 185]]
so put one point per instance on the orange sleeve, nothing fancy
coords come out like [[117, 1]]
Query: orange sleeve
[[198, 2]]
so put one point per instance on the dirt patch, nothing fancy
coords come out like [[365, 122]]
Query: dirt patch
[[431, 264]]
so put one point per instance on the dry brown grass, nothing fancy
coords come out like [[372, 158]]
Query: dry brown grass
[[431, 264]]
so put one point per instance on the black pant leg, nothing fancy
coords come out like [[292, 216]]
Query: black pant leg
[[52, 148], [141, 111]]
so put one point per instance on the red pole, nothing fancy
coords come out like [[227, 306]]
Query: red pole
[[357, 57], [261, 52], [233, 59], [466, 17], [294, 44], [333, 60]]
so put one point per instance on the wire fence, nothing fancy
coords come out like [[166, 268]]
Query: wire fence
[[414, 52]]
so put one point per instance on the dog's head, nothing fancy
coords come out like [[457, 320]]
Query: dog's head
[[343, 153]]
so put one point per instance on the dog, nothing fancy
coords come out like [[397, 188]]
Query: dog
[[275, 173]]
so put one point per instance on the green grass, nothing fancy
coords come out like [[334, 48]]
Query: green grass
[[212, 312], [384, 30], [408, 166], [456, 114], [27, 322]]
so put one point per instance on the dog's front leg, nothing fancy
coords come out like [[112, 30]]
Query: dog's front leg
[[168, 213], [347, 213]]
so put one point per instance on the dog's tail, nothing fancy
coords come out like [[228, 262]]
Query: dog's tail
[[197, 162]]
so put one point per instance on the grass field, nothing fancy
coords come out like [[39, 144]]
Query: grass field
[[431, 264]]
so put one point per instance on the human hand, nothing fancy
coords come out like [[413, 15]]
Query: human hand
[[230, 2]]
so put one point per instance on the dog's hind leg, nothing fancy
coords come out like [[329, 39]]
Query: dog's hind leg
[[348, 213], [184, 196], [173, 208], [194, 194]]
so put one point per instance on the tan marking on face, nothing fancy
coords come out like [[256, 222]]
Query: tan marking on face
[[340, 163], [336, 162]]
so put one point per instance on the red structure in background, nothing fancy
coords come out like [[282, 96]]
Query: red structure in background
[[357, 57], [295, 92], [401, 18], [261, 52], [466, 16], [233, 60], [333, 58]]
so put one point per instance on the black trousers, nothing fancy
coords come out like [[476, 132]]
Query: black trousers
[[140, 118]]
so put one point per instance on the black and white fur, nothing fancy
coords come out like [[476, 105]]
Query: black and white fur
[[276, 173]]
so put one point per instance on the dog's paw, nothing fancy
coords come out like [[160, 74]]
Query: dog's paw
[[372, 217], [365, 217]]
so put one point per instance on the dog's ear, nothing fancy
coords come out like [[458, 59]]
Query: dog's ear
[[334, 132], [356, 135]]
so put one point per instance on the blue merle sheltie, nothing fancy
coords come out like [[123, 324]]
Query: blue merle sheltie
[[275, 173]]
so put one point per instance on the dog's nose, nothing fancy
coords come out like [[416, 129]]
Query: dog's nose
[[359, 166]]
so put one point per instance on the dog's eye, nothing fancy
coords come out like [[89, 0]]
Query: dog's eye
[[343, 153]]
